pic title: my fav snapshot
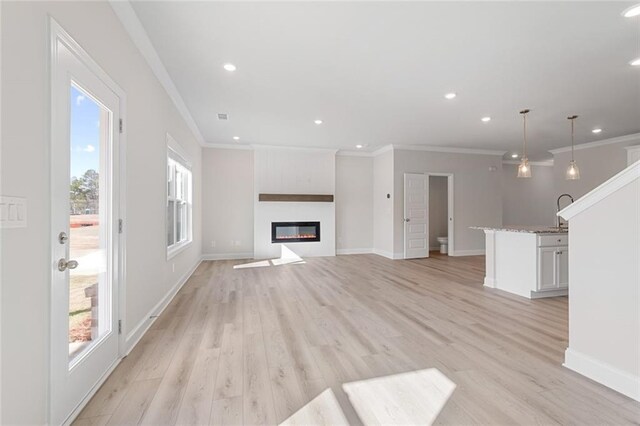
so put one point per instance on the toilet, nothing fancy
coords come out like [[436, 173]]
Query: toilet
[[444, 245]]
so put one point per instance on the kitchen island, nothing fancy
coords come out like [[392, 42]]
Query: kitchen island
[[530, 261]]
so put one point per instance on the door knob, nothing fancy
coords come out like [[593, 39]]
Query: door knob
[[64, 264], [407, 220]]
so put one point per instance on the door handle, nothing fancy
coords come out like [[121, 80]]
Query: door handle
[[64, 264], [407, 220]]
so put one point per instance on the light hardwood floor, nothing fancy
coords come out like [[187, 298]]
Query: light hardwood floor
[[265, 345]]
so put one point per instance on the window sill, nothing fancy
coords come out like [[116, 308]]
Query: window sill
[[177, 248]]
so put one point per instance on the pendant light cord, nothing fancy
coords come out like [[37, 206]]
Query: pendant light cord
[[572, 139], [572, 118], [524, 146], [524, 149]]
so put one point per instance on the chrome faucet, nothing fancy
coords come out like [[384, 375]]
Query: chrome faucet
[[558, 210]]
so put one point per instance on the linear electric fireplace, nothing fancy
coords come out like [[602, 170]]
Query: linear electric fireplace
[[295, 232]]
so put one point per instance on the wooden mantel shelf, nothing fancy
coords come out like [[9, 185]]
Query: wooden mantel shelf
[[306, 198]]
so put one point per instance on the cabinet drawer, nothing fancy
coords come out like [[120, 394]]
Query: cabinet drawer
[[553, 240]]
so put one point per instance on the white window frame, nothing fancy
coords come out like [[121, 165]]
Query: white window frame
[[177, 158]]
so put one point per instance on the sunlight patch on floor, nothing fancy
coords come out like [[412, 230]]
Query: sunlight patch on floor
[[411, 398], [258, 264], [287, 257], [324, 409]]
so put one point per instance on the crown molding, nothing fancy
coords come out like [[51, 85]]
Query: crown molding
[[610, 141], [349, 153], [625, 177], [136, 31], [546, 163], [228, 146], [449, 150], [382, 150], [293, 148]]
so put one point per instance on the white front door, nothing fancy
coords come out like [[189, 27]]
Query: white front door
[[84, 214], [416, 211]]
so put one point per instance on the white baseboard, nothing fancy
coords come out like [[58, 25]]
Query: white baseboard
[[139, 330], [476, 252], [227, 256], [383, 253], [354, 251], [490, 282], [608, 375]]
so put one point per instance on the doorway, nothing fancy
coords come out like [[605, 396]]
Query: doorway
[[438, 215], [420, 228], [87, 252]]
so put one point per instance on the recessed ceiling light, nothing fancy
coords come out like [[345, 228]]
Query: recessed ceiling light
[[450, 95], [598, 130], [514, 155], [229, 67], [359, 146], [236, 138], [486, 119], [632, 11], [635, 62], [318, 121]]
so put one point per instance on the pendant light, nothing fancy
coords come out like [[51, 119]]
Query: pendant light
[[573, 172], [524, 169]]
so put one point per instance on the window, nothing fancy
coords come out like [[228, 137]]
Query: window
[[179, 190]]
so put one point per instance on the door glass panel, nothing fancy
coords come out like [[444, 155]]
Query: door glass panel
[[89, 282]]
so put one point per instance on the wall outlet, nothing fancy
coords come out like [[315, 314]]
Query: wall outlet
[[213, 243], [173, 267]]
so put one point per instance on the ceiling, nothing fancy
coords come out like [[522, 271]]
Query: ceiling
[[376, 72]]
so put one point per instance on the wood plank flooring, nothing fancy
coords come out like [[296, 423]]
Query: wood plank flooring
[[276, 345]]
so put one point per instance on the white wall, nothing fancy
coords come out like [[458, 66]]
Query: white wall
[[227, 203], [477, 194], [530, 201], [597, 164], [604, 291], [438, 210], [354, 204], [26, 263], [383, 198]]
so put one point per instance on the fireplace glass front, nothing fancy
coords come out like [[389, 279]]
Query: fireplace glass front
[[295, 232]]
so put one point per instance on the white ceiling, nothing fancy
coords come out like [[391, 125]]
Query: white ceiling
[[376, 72]]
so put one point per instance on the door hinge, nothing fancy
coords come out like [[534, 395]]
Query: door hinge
[[119, 226], [119, 326], [121, 125]]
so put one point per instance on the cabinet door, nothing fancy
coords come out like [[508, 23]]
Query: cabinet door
[[547, 268], [562, 265]]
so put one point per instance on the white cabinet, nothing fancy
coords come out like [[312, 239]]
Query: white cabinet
[[553, 265], [527, 263]]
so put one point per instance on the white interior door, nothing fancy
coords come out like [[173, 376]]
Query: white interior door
[[416, 211], [84, 213]]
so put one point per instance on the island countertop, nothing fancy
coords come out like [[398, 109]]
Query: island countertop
[[541, 229]]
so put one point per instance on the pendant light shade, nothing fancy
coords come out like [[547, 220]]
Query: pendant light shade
[[524, 168], [573, 172]]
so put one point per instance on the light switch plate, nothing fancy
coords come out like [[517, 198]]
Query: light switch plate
[[13, 212]]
